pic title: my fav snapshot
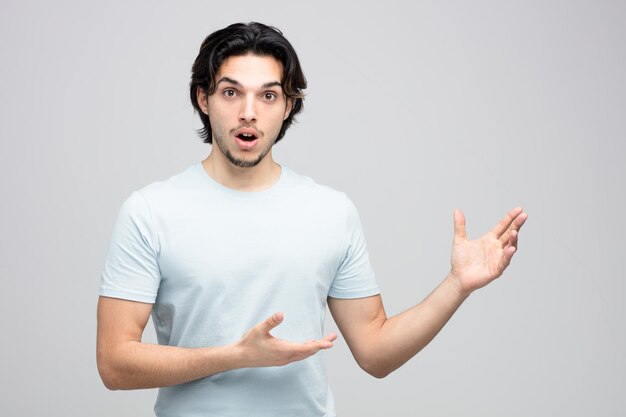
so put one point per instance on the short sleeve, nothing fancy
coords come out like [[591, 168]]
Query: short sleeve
[[131, 268], [355, 276]]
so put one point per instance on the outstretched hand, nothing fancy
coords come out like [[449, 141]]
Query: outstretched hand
[[475, 263], [260, 348]]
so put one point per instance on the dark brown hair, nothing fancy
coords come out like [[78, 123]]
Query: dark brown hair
[[241, 39]]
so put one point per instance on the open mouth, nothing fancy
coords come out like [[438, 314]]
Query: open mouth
[[248, 137]]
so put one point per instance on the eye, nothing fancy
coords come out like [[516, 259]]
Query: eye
[[269, 96], [229, 92]]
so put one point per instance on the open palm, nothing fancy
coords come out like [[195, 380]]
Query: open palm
[[475, 263]]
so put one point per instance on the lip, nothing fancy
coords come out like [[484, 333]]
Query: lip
[[247, 131], [243, 144], [246, 145]]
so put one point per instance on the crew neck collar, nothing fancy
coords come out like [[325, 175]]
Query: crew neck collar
[[244, 194]]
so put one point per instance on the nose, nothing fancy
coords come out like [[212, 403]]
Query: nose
[[248, 110]]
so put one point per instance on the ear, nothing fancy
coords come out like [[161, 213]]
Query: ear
[[288, 108], [202, 100]]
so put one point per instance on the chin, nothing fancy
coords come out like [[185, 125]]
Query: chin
[[244, 163]]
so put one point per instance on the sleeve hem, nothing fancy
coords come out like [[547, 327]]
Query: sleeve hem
[[354, 294], [128, 295]]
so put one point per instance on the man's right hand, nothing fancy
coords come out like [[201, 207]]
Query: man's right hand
[[125, 362], [260, 348]]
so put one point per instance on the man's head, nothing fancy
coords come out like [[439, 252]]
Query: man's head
[[240, 40]]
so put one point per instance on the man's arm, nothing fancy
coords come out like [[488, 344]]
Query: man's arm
[[124, 362], [381, 345]]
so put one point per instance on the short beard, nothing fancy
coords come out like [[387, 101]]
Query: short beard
[[242, 163]]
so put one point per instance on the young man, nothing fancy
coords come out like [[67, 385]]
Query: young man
[[237, 257]]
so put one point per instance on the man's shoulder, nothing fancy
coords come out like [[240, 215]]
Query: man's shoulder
[[180, 182], [163, 195], [307, 186]]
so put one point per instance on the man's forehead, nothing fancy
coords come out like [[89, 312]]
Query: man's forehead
[[250, 70]]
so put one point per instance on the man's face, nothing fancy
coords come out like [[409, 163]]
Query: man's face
[[247, 108]]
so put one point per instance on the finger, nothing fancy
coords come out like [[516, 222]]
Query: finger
[[319, 344], [509, 251], [513, 239], [509, 238], [299, 351], [520, 220], [516, 225], [271, 322], [323, 343], [331, 337], [459, 225], [504, 224]]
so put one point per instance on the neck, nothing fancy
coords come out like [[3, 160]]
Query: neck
[[256, 178]]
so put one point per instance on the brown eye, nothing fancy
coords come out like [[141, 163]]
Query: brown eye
[[230, 92], [269, 96]]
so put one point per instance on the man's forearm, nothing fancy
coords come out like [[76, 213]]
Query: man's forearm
[[402, 336], [130, 364], [135, 365]]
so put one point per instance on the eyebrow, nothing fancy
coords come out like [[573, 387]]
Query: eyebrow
[[237, 83]]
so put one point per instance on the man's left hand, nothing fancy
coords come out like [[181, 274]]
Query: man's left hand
[[475, 263]]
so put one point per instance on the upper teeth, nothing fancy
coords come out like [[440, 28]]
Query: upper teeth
[[248, 135]]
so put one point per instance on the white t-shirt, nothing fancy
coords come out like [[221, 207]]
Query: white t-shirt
[[216, 262]]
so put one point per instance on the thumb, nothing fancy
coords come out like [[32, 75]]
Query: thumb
[[272, 321], [459, 225]]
